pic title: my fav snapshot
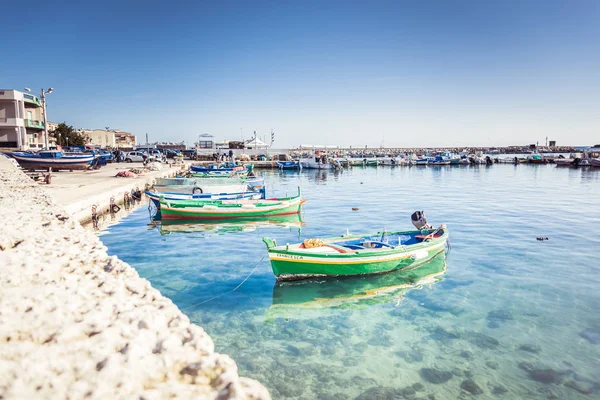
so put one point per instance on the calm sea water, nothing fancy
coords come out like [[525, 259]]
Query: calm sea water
[[503, 316]]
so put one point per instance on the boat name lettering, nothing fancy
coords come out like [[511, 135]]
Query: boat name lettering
[[292, 256]]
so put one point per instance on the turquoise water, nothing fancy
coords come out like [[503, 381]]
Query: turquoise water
[[503, 316]]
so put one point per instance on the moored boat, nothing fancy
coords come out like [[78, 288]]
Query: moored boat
[[230, 209], [535, 159], [289, 165], [216, 185], [350, 255], [225, 167], [594, 162], [564, 162], [315, 162], [54, 159], [170, 196], [439, 160]]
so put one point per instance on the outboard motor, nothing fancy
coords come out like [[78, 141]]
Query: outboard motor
[[419, 220]]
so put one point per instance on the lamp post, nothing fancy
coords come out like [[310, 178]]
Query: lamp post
[[44, 92]]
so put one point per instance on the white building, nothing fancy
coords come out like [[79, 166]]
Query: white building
[[99, 137], [21, 120]]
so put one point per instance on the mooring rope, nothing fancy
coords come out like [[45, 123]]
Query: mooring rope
[[229, 291]]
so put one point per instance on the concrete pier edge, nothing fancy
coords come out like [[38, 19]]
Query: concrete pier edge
[[76, 323]]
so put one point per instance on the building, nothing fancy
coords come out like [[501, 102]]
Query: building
[[99, 137], [21, 120], [52, 126], [206, 141], [125, 139]]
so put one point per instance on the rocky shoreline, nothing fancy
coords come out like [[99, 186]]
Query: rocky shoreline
[[77, 323]]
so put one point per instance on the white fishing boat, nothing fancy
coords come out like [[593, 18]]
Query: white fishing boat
[[315, 162], [476, 159], [564, 162], [199, 185]]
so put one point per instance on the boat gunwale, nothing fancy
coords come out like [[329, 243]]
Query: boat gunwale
[[368, 252]]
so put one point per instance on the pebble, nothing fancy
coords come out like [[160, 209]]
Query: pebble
[[434, 375], [471, 386], [531, 348]]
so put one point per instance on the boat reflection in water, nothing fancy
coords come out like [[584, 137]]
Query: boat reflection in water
[[291, 298], [168, 227]]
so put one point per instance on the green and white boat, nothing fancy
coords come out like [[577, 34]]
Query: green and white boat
[[238, 209], [351, 255]]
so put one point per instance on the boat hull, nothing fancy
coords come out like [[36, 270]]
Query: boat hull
[[63, 163], [295, 265], [155, 196], [232, 210], [289, 165]]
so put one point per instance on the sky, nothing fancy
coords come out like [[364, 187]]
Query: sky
[[393, 73]]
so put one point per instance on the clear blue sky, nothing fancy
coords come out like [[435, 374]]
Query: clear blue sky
[[410, 73]]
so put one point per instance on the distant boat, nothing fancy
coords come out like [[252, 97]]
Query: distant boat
[[289, 165], [507, 160], [371, 162], [53, 159], [560, 162], [230, 209], [314, 163], [535, 159], [224, 167], [476, 159], [439, 160]]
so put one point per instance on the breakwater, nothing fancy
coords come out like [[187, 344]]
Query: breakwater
[[77, 323]]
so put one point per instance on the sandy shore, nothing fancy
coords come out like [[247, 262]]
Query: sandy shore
[[77, 323], [77, 191]]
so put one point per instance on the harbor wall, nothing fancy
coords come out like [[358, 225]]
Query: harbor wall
[[77, 323], [82, 210]]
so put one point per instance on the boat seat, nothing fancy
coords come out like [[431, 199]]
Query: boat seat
[[428, 237], [375, 244]]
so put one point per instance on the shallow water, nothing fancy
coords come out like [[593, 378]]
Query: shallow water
[[504, 315]]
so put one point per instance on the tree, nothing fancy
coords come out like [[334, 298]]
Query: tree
[[67, 136]]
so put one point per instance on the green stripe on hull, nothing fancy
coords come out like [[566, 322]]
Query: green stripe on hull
[[170, 213], [291, 270]]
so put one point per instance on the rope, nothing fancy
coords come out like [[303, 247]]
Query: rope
[[229, 291]]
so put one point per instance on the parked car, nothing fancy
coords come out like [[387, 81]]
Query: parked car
[[171, 153], [191, 153], [104, 154], [137, 156]]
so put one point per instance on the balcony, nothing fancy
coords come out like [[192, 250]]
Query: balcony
[[34, 124], [9, 122], [31, 99]]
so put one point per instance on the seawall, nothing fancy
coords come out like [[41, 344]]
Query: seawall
[[76, 323]]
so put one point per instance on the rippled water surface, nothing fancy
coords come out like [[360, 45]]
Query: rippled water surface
[[503, 316]]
